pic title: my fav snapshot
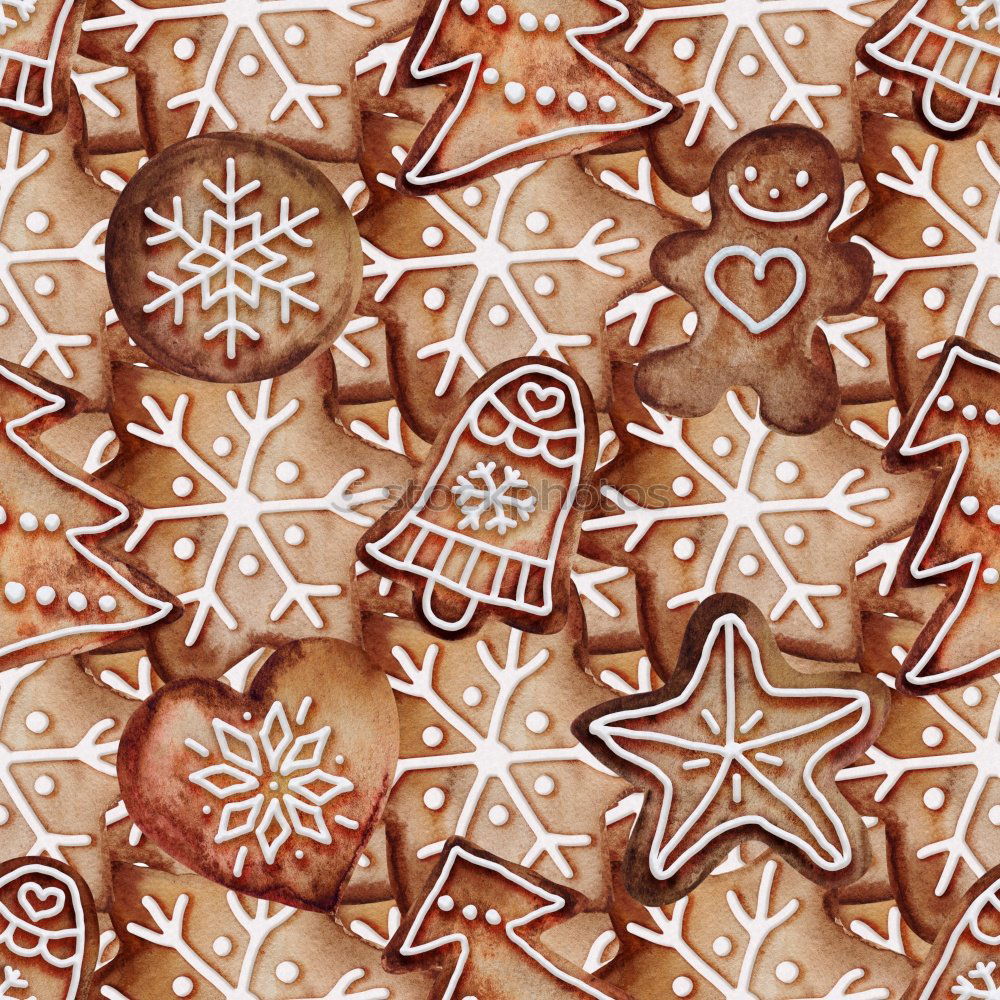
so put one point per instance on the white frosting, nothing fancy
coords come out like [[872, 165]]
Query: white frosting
[[760, 262], [775, 215]]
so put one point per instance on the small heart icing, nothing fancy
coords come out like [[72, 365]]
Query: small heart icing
[[534, 400], [760, 262], [40, 904]]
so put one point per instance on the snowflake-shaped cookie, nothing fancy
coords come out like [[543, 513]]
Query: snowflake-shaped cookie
[[277, 68], [486, 751], [525, 263], [729, 505], [254, 499]]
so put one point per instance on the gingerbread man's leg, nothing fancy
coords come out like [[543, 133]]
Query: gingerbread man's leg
[[665, 379], [798, 391]]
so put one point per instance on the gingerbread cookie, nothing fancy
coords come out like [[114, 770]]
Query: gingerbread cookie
[[493, 518], [486, 751], [62, 592], [36, 46], [523, 263], [48, 931], [722, 503], [955, 428], [232, 259], [275, 792], [946, 53], [183, 936], [254, 499], [109, 104], [497, 912], [737, 745], [927, 225], [501, 111], [737, 68], [760, 277], [285, 73]]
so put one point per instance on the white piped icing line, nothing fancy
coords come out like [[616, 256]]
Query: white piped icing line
[[29, 68], [760, 262], [774, 215], [438, 898], [971, 563], [14, 592], [658, 110], [734, 748]]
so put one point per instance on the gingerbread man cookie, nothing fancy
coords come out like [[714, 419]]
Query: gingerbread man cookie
[[761, 277]]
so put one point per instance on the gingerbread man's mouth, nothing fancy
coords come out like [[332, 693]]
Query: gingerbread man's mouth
[[770, 215]]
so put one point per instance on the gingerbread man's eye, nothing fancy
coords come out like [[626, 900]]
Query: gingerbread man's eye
[[750, 173], [802, 178]]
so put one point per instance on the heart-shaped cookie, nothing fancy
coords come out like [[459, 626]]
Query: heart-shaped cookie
[[540, 404], [760, 262], [274, 792]]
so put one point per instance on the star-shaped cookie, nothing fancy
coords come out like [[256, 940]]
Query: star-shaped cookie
[[737, 746]]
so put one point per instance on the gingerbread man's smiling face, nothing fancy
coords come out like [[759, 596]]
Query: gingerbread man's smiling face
[[758, 179]]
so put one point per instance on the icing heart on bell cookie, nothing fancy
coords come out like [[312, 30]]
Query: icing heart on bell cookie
[[760, 262], [535, 400], [38, 903], [273, 793]]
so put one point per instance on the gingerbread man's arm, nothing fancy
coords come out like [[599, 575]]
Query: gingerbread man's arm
[[851, 270]]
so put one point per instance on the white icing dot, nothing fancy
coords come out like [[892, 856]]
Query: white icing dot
[[28, 521], [684, 548], [722, 946], [934, 798], [182, 986], [472, 196], [794, 534], [107, 603], [945, 404], [682, 986], [287, 472], [77, 601], [497, 14], [786, 472], [432, 736], [248, 565], [45, 596], [184, 548], [247, 716], [490, 75], [434, 298], [544, 784], [446, 904], [362, 861], [972, 696], [14, 592], [934, 299], [932, 736], [184, 48], [544, 284], [222, 446], [37, 222], [748, 565], [3, 515], [690, 322], [684, 48], [970, 412], [682, 486], [45, 784], [4, 815], [750, 173], [552, 22], [286, 972], [514, 92], [4, 315], [498, 315], [536, 222], [470, 912], [972, 196], [969, 505], [786, 972], [794, 35], [994, 315], [432, 236], [932, 236], [472, 696], [248, 65], [722, 446], [577, 101], [537, 722], [470, 7], [294, 35], [294, 534], [528, 22], [222, 946], [994, 514], [182, 486], [802, 178], [493, 917], [994, 815], [991, 575], [434, 798], [993, 417], [545, 96], [607, 103], [36, 722], [748, 65]]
